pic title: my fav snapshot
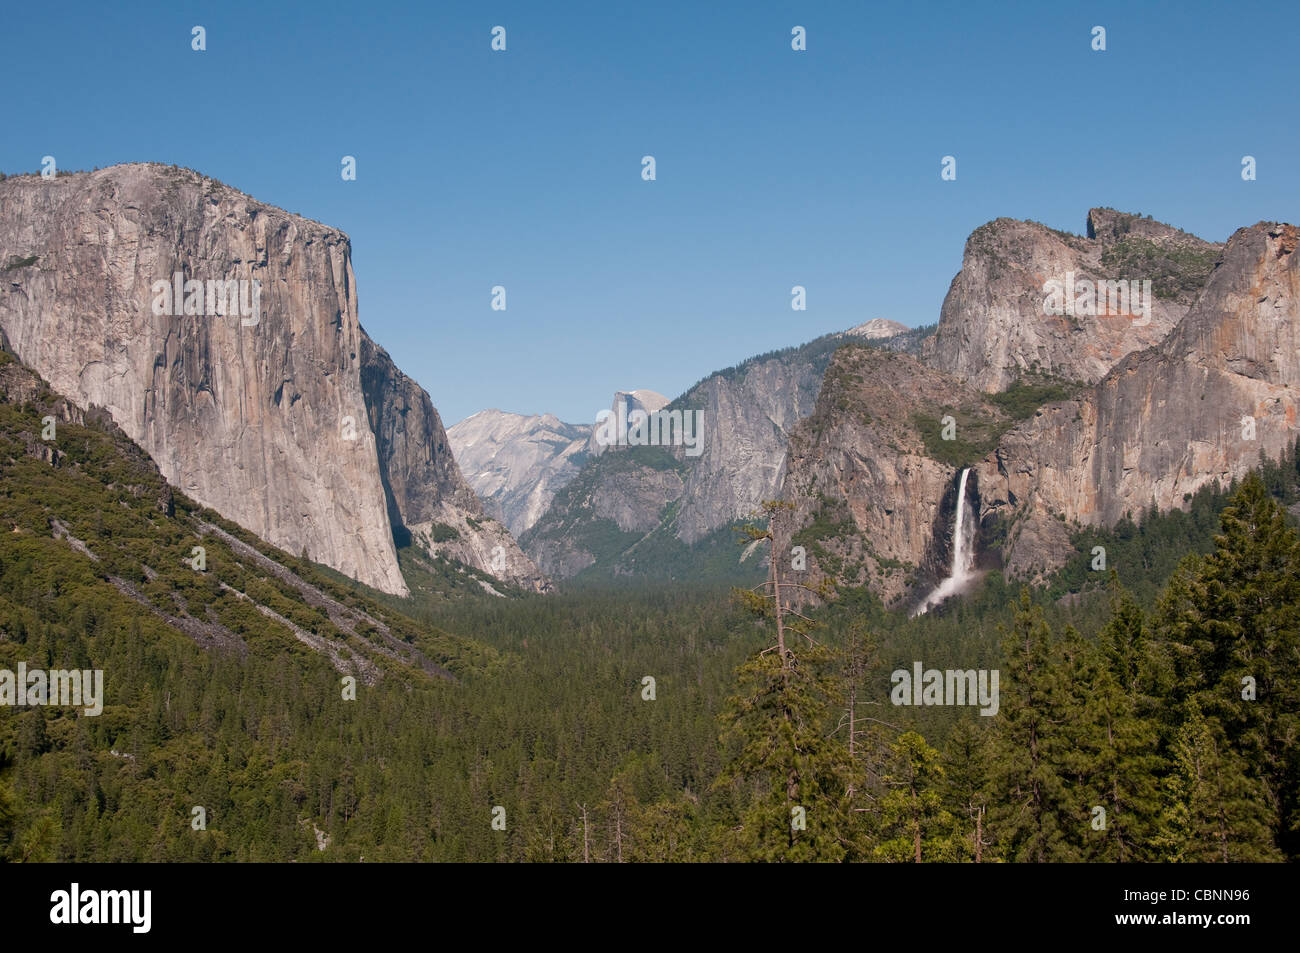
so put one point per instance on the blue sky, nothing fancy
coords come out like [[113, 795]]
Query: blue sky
[[775, 168]]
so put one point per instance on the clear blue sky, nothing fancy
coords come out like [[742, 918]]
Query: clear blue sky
[[775, 168]]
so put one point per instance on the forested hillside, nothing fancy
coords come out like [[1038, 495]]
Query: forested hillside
[[647, 723], [216, 650]]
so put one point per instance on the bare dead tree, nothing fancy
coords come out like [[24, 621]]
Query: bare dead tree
[[767, 597], [586, 848]]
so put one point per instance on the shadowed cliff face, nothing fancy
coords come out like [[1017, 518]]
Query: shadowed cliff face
[[871, 501], [262, 417], [424, 489]]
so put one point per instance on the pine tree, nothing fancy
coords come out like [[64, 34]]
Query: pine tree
[[8, 819], [968, 768], [1110, 758], [788, 777], [1215, 810], [1132, 762], [865, 738], [1233, 623], [666, 832], [915, 825], [1031, 812], [619, 807]]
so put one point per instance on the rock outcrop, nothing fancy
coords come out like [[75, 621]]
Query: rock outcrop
[[624, 405], [747, 422], [428, 501], [252, 404], [877, 329], [872, 479], [995, 324], [1200, 407]]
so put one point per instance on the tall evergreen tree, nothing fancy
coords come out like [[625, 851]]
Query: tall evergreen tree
[[8, 819], [788, 775], [865, 736], [915, 825], [1031, 812], [968, 768], [1233, 621], [1216, 809], [667, 832], [1111, 758]]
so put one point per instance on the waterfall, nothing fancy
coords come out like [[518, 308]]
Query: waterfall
[[963, 554], [960, 561]]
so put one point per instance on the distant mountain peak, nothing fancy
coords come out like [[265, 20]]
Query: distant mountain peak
[[641, 399], [877, 328], [517, 462]]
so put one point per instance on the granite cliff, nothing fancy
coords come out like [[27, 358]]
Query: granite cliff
[[997, 324], [1200, 406], [1061, 430], [266, 401]]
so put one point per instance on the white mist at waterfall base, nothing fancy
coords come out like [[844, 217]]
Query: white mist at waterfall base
[[963, 555]]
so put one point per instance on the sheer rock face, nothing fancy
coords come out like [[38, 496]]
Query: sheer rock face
[[872, 506], [1199, 407], [262, 417], [517, 463], [423, 485], [747, 424], [995, 325], [625, 404]]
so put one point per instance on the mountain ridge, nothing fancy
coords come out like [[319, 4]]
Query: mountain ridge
[[995, 323], [517, 462], [609, 512]]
